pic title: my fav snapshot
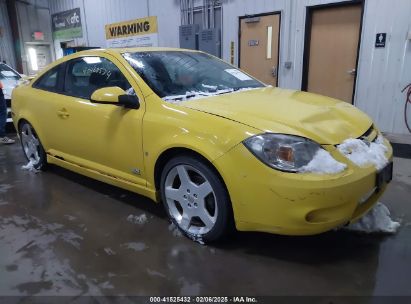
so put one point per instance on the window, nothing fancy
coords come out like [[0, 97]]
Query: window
[[174, 73], [87, 74], [6, 73], [49, 81]]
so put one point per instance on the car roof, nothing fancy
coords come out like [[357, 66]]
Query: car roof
[[133, 50]]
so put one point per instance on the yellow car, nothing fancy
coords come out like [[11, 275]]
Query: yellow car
[[219, 148]]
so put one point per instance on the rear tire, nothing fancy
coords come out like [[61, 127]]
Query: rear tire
[[32, 147], [196, 199]]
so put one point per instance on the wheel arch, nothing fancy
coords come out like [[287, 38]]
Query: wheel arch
[[170, 153], [34, 125]]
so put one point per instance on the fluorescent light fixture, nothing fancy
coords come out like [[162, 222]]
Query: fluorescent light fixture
[[33, 59], [92, 60]]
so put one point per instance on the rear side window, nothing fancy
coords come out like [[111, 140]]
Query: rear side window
[[87, 74], [49, 81]]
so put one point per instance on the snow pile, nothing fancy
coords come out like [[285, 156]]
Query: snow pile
[[137, 219], [177, 232], [173, 228], [109, 251], [377, 220], [323, 163], [30, 167], [192, 95], [363, 155], [197, 238]]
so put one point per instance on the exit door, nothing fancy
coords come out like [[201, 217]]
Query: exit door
[[331, 50], [259, 46]]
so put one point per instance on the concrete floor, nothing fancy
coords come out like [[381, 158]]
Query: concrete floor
[[63, 234]]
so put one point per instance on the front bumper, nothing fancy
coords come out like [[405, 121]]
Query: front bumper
[[268, 200]]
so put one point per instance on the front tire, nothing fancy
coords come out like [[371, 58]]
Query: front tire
[[196, 199], [32, 147]]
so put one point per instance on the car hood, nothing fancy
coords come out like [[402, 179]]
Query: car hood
[[8, 86], [323, 119]]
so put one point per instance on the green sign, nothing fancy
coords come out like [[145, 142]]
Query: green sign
[[67, 24]]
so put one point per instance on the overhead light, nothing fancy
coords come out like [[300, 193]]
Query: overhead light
[[92, 60], [33, 59]]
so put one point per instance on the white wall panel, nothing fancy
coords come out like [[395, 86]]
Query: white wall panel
[[384, 72]]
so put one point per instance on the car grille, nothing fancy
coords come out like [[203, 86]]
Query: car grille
[[369, 135]]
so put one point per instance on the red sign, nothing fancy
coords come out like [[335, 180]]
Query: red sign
[[38, 36]]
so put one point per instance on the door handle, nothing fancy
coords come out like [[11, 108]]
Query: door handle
[[274, 71], [63, 113], [352, 72]]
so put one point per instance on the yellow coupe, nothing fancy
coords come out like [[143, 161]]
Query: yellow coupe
[[219, 148]]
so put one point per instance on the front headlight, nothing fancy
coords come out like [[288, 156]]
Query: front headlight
[[292, 153]]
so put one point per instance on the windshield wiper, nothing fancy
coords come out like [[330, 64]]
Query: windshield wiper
[[185, 96], [197, 94]]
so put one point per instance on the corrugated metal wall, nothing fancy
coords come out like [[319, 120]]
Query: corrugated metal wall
[[381, 72], [97, 13], [7, 52]]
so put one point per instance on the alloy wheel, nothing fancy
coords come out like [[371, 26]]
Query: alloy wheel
[[190, 199], [30, 143]]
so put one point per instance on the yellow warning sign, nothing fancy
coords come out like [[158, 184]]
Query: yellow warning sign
[[137, 27]]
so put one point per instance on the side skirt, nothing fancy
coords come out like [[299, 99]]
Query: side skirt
[[112, 180]]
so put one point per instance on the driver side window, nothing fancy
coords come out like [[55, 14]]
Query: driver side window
[[87, 74]]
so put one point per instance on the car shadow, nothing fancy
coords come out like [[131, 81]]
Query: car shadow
[[127, 197], [318, 249]]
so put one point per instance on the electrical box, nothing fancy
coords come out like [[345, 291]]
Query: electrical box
[[188, 36], [209, 41]]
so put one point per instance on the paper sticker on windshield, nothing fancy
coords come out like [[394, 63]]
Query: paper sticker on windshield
[[238, 74], [8, 74]]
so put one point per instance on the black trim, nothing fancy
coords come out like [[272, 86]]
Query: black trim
[[57, 68], [307, 38], [279, 38], [402, 150]]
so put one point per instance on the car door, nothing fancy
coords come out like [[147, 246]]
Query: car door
[[102, 137]]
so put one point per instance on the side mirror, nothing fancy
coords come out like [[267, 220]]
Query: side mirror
[[115, 96], [129, 101]]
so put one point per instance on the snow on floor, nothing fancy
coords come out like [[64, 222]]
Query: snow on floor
[[377, 220], [192, 95], [30, 167], [5, 187], [323, 163], [362, 154], [109, 251], [137, 219], [136, 246], [20, 236]]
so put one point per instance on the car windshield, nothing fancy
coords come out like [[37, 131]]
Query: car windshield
[[6, 73], [184, 75]]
